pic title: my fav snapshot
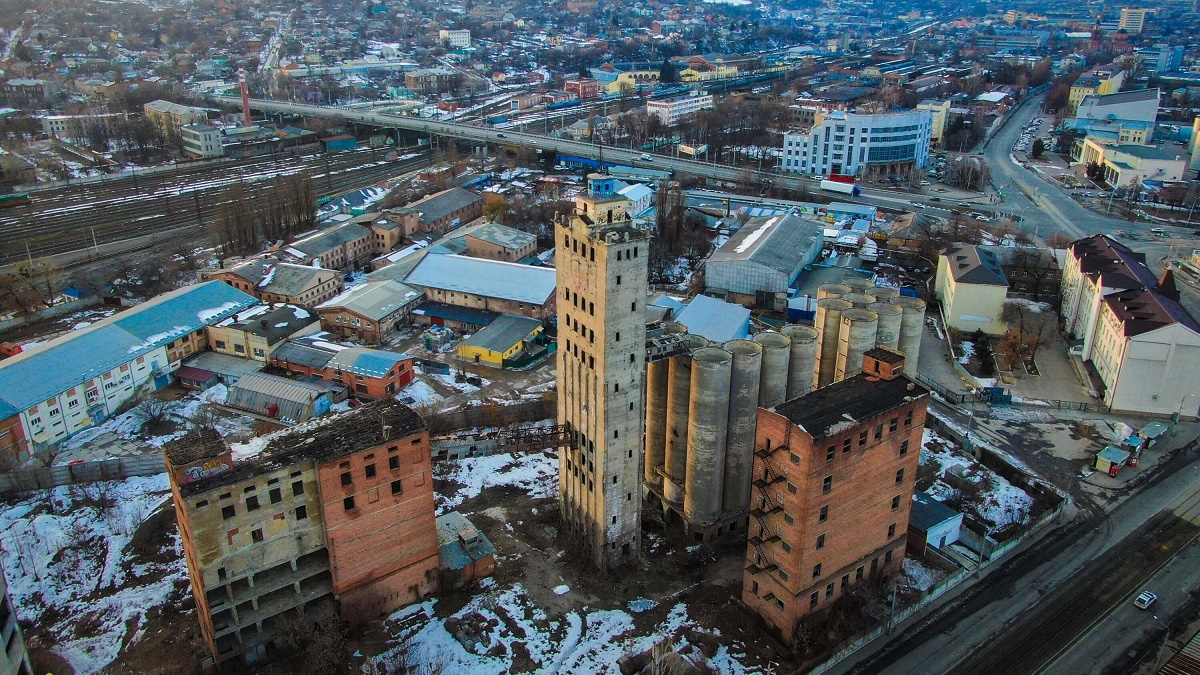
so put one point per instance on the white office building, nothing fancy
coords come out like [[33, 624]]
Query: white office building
[[672, 110], [870, 146], [455, 38]]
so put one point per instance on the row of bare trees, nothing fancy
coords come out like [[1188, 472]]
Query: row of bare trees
[[264, 211]]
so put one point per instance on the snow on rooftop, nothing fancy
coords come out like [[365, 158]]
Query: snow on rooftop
[[210, 314], [754, 236]]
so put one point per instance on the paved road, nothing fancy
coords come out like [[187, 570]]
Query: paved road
[[970, 619], [1054, 210]]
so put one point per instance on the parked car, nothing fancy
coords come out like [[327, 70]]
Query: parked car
[[1144, 600]]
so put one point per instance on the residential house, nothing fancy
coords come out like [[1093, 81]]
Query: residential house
[[372, 312], [345, 247], [254, 333], [288, 283], [83, 377], [498, 242], [972, 288], [172, 117]]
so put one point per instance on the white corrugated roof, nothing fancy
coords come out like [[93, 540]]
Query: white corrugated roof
[[491, 278]]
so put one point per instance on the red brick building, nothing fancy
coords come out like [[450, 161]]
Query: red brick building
[[833, 477], [377, 506], [366, 372], [584, 89]]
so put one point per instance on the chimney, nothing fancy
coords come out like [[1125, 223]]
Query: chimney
[[245, 96], [262, 322]]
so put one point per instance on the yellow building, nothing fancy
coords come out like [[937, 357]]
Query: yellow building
[[1104, 80], [630, 80], [972, 289], [508, 338], [1125, 164]]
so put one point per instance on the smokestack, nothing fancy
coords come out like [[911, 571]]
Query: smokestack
[[245, 95]]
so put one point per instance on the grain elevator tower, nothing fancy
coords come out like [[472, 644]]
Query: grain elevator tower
[[602, 284]]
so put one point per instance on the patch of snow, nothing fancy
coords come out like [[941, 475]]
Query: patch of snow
[[561, 589], [920, 576], [212, 313], [968, 350], [65, 555], [536, 473], [419, 393], [641, 605]]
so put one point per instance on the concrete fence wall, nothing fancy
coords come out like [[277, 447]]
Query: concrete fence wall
[[51, 312], [14, 482]]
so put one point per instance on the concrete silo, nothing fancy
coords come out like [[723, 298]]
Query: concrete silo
[[708, 416], [859, 299], [658, 378], [857, 284], [883, 293], [743, 423], [888, 332], [828, 322], [803, 359], [832, 291], [680, 377], [772, 388], [912, 323], [856, 336]]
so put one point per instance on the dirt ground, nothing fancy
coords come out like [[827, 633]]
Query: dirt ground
[[531, 550]]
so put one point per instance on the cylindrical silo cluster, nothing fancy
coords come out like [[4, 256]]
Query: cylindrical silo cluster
[[857, 284], [888, 332], [855, 336], [884, 293], [859, 300], [658, 378], [776, 353], [743, 423], [708, 422], [912, 322], [832, 291], [676, 428], [828, 322], [803, 360]]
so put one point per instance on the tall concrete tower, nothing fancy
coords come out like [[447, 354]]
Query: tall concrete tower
[[602, 283]]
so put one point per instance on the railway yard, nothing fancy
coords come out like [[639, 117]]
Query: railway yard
[[172, 203]]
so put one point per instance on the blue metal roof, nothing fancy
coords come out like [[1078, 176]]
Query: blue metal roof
[[71, 360], [453, 552], [928, 513], [717, 320], [366, 361]]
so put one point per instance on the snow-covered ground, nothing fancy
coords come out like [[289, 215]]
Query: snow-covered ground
[[921, 576], [66, 557], [999, 502], [506, 622], [535, 472], [127, 427]]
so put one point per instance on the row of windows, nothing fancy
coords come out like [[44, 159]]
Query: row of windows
[[848, 443]]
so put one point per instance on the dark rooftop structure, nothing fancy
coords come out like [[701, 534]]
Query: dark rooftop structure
[[321, 440], [970, 264], [885, 355], [1143, 301], [275, 324], [928, 512], [823, 412], [197, 444]]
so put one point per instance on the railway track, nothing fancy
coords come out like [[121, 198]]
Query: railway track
[[1036, 639], [77, 216]]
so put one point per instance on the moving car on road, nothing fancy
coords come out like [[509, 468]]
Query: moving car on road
[[1144, 600]]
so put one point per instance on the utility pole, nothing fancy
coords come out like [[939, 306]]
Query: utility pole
[[95, 245], [199, 212]]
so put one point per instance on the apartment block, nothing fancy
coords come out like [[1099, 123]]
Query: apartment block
[[602, 284], [672, 111], [341, 509], [833, 480]]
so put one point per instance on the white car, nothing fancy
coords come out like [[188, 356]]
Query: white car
[[1144, 600], [647, 158]]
